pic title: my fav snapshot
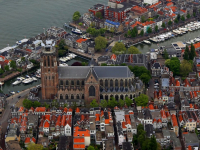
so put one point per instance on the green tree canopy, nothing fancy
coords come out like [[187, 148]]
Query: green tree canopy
[[188, 16], [80, 23], [94, 103], [156, 28], [169, 23], [90, 148], [182, 18], [142, 32], [185, 68], [176, 20], [192, 53], [128, 101], [119, 48], [7, 68], [163, 25], [27, 103], [100, 43], [13, 64], [142, 100], [174, 65], [143, 19], [178, 17], [36, 104], [99, 15], [149, 30], [33, 146], [121, 103], [145, 78], [1, 71], [186, 53], [167, 62], [76, 16], [22, 58], [133, 50], [138, 71], [104, 103], [112, 102], [165, 54]]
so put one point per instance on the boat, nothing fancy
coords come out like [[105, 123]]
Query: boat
[[18, 81], [12, 92], [1, 83], [147, 42], [34, 78], [27, 80], [38, 76], [76, 31]]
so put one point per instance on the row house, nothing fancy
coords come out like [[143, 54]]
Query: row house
[[97, 8], [187, 119], [81, 138], [175, 124]]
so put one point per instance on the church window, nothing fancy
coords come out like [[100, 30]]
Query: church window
[[77, 82], [72, 82], [72, 96], [82, 82], [61, 97], [66, 96], [77, 97], [92, 91], [48, 61], [67, 83], [61, 82]]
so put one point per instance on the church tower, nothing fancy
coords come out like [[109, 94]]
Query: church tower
[[49, 70]]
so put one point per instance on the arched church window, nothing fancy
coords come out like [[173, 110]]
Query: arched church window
[[92, 91]]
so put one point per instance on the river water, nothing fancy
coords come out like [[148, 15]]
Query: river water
[[20, 18]]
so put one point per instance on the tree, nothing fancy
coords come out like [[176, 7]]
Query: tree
[[140, 127], [100, 43], [145, 144], [169, 23], [102, 31], [33, 146], [145, 78], [6, 67], [186, 53], [182, 18], [36, 104], [121, 103], [99, 15], [22, 59], [156, 28], [104, 64], [143, 19], [80, 24], [133, 50], [153, 144], [1, 71], [142, 32], [119, 48], [141, 137], [138, 71], [128, 101], [27, 103], [185, 68], [112, 102], [76, 16], [142, 100], [165, 54], [13, 64], [176, 20], [163, 25], [192, 53], [149, 30], [104, 103], [94, 103], [188, 16], [178, 17], [174, 65], [167, 62], [159, 147], [194, 14], [46, 105], [90, 148]]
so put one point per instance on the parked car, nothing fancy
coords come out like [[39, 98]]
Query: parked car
[[19, 96]]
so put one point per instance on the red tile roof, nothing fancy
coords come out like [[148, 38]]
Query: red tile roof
[[180, 118], [195, 94], [113, 57], [169, 4], [2, 57], [78, 132], [77, 110], [135, 24], [151, 107], [97, 117], [183, 10], [155, 94], [21, 109], [173, 8], [154, 5], [163, 114], [27, 140], [127, 118], [7, 61], [46, 124], [154, 120], [189, 147], [187, 84], [171, 94], [159, 120], [79, 140], [138, 9], [58, 120], [79, 146], [177, 83], [174, 120], [123, 124], [160, 94], [191, 106], [81, 40], [40, 109]]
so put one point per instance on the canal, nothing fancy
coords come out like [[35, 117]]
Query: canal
[[185, 37], [8, 87]]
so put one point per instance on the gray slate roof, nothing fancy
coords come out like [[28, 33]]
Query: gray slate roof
[[71, 72]]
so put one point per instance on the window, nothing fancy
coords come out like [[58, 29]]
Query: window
[[72, 82], [61, 82], [72, 96], [92, 91], [66, 96], [61, 97], [77, 82], [67, 83]]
